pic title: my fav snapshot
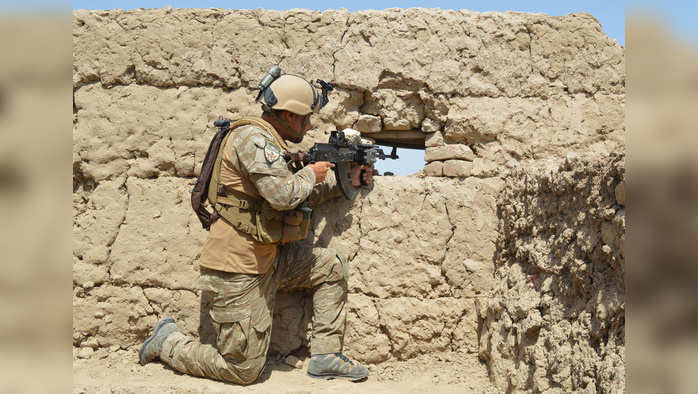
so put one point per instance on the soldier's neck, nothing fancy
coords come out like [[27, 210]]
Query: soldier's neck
[[281, 130]]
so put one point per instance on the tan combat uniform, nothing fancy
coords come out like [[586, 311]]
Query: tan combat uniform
[[243, 275]]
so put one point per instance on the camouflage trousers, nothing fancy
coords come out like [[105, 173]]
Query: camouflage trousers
[[242, 307]]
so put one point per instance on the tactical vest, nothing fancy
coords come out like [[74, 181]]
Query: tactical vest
[[250, 215]]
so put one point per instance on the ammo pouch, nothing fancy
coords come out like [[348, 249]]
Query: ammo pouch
[[296, 226], [258, 219]]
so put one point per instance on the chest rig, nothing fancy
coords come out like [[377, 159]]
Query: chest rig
[[253, 216]]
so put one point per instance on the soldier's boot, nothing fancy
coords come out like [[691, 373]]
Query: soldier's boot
[[152, 346], [335, 365]]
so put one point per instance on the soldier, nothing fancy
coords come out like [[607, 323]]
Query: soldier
[[250, 251]]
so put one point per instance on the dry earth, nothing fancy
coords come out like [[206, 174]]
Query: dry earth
[[120, 372]]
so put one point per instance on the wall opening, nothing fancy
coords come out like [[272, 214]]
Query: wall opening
[[410, 149], [410, 162]]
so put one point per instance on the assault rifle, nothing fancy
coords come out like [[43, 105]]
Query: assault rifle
[[343, 154]]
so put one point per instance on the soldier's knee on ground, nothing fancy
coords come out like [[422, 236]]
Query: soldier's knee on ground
[[246, 372], [243, 341]]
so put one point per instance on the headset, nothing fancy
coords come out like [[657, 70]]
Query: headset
[[270, 99]]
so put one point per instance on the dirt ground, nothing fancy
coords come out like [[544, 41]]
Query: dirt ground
[[119, 372]]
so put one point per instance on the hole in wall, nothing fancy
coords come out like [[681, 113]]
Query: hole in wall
[[410, 162]]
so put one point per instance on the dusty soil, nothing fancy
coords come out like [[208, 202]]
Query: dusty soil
[[119, 372]]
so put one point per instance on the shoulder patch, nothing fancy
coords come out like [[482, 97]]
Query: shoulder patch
[[271, 153]]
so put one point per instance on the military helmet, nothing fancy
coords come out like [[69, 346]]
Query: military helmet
[[291, 93]]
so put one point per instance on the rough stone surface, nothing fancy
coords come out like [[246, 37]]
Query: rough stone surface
[[400, 110], [433, 139], [447, 152], [483, 168], [435, 168], [556, 318], [368, 124], [457, 168], [433, 277], [430, 126]]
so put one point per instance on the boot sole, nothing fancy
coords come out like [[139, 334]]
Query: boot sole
[[344, 377], [150, 339]]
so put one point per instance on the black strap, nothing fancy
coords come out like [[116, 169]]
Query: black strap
[[200, 191]]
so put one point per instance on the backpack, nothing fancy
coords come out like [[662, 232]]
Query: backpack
[[199, 193]]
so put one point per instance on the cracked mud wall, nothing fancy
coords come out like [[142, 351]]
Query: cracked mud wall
[[555, 321], [512, 89], [414, 273]]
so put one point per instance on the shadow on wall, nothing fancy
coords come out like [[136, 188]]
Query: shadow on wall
[[334, 223]]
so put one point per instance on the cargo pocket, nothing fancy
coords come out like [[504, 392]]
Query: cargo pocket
[[232, 332], [260, 335]]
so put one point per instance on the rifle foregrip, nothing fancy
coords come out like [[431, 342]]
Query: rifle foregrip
[[361, 178]]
